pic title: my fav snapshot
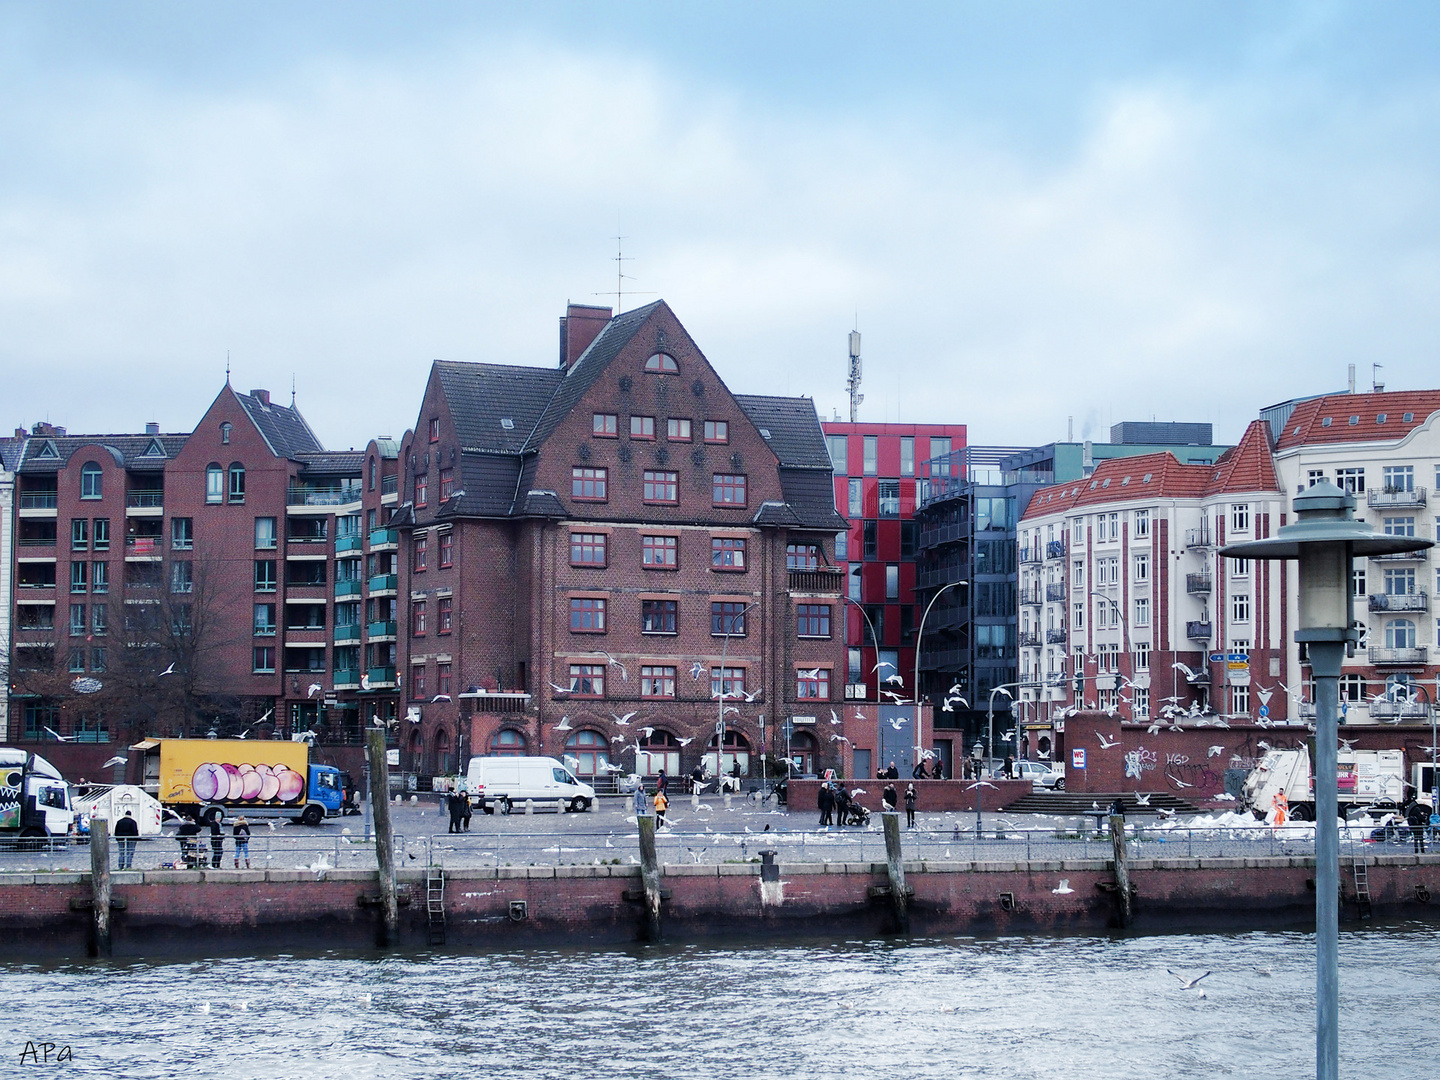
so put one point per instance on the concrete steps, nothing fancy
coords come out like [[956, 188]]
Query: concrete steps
[[1067, 804]]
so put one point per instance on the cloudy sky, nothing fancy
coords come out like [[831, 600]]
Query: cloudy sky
[[1035, 211]]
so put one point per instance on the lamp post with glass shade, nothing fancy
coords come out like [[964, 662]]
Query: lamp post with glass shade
[[1324, 540]]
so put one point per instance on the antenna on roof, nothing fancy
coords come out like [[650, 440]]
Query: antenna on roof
[[1376, 385], [853, 383], [227, 367], [621, 277], [292, 389]]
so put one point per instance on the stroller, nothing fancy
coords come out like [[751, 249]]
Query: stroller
[[192, 853]]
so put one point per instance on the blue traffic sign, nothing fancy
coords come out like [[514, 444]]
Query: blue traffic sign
[[1264, 710]]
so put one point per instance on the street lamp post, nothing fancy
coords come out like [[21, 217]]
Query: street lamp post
[[730, 621], [919, 640], [1324, 539], [873, 640]]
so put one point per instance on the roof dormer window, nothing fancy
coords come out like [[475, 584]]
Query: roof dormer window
[[225, 433]]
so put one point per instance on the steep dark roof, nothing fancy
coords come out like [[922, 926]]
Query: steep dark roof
[[481, 396], [283, 427], [11, 450], [591, 365], [333, 462], [793, 428], [129, 451]]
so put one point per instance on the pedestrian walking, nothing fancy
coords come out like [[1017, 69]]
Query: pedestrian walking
[[842, 804], [910, 806], [466, 811], [661, 783], [918, 772], [661, 805], [890, 798], [642, 801], [217, 842], [1009, 767], [1419, 819], [452, 803], [241, 832], [127, 831], [827, 804]]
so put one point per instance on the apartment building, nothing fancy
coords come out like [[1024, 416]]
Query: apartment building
[[10, 453]]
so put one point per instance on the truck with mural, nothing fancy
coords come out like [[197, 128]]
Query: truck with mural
[[1364, 778], [34, 797], [215, 779]]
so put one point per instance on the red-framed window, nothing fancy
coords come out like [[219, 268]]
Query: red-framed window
[[677, 429], [728, 489], [417, 682], [658, 616], [587, 614], [589, 483], [802, 556], [587, 680], [417, 618], [442, 679], [664, 363], [661, 487], [728, 681], [605, 425], [812, 620], [447, 548], [727, 552], [642, 427], [657, 682], [444, 614], [660, 551], [727, 617], [813, 684], [447, 483], [422, 489], [717, 431], [587, 549], [422, 552]]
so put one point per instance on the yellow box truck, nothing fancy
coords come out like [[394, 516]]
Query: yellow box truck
[[216, 778]]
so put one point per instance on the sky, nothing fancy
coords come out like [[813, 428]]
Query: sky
[[1042, 217]]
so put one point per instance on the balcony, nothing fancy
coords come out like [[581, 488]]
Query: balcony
[[379, 631], [1399, 656], [1029, 639], [935, 576], [1031, 594], [347, 679], [326, 495], [1199, 584], [1029, 555], [349, 632], [1055, 549], [384, 539], [39, 500], [349, 543], [1388, 497], [947, 533], [144, 547], [826, 581], [144, 503], [1055, 590], [384, 583], [1199, 631], [1400, 710], [389, 485], [380, 677], [1404, 556], [348, 588], [1198, 538], [1056, 635], [1415, 601]]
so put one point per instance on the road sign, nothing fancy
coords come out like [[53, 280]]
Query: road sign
[[1264, 711], [1077, 758], [1217, 658]]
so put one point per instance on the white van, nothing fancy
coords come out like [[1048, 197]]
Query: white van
[[505, 781]]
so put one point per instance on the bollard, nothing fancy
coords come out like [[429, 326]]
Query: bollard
[[694, 800], [529, 806], [384, 838], [895, 870], [1122, 871], [727, 800], [650, 878], [100, 887]]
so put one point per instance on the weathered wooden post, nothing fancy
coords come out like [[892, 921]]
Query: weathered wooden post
[[384, 838], [99, 887], [1122, 871], [895, 870], [650, 877]]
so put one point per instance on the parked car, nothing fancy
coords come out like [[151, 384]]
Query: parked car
[[1037, 772]]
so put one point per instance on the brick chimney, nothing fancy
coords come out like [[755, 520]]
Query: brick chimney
[[152, 428], [263, 396], [579, 326]]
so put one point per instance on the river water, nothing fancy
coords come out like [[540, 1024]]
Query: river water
[[882, 1010]]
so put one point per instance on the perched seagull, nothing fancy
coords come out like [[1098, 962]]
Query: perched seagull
[[562, 689], [1187, 984], [1103, 744], [1163, 812], [564, 724], [168, 671], [1064, 887], [624, 721], [58, 736], [1215, 751], [1154, 729]]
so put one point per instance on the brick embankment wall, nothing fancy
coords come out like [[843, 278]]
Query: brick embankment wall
[[207, 911]]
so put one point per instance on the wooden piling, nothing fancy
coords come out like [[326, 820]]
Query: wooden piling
[[384, 837], [895, 870], [650, 877], [1122, 869], [99, 887]]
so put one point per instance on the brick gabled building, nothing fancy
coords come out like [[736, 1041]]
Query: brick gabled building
[[1120, 576], [594, 553]]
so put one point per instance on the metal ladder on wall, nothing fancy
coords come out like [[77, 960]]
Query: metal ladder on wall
[[435, 904], [1362, 886]]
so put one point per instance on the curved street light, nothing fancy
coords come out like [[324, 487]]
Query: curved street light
[[919, 640], [730, 621]]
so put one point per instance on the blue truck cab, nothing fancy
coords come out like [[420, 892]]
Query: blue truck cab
[[326, 788]]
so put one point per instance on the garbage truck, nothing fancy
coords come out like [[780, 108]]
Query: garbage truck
[[215, 779], [34, 797], [1364, 778]]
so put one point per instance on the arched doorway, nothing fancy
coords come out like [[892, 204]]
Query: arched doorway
[[802, 752], [507, 742], [417, 751], [591, 750], [659, 750], [444, 757], [737, 750]]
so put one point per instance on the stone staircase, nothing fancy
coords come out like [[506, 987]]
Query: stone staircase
[[1072, 804]]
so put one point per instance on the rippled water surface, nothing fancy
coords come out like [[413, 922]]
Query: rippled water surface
[[939, 1007]]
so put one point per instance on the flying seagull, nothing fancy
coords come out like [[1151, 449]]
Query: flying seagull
[[1064, 887], [564, 724], [58, 736], [1106, 745], [624, 675], [563, 689], [1187, 984], [624, 721], [168, 671], [1188, 673]]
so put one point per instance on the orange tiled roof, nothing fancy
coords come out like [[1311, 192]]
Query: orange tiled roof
[[1387, 416]]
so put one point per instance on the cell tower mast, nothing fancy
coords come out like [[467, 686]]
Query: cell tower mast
[[853, 385]]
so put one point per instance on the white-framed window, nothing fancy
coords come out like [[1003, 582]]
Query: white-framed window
[[1102, 614], [1240, 608], [1142, 569], [1142, 655], [1239, 567], [1400, 634], [1351, 480], [1114, 521], [1139, 702], [1352, 688], [1142, 523], [1240, 517], [1077, 531], [1239, 700], [1357, 579], [1399, 478], [1314, 476], [1078, 575], [1078, 615], [1142, 611], [1399, 526]]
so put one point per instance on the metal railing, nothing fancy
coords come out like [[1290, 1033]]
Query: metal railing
[[1055, 549], [1055, 590], [1198, 538], [39, 500], [1399, 710], [1385, 497], [1056, 635], [1412, 601], [820, 580], [323, 496], [144, 499], [1414, 655], [1196, 584], [1199, 631]]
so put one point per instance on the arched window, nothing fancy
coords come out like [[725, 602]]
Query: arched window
[[444, 758], [659, 750], [592, 750], [91, 481], [802, 752], [372, 472], [663, 363], [225, 433], [237, 482], [417, 749], [507, 742], [214, 483], [1400, 634], [737, 749]]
